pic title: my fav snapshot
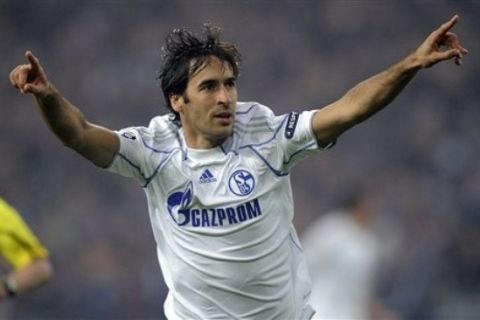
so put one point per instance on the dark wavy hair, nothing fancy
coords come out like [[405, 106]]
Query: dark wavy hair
[[185, 54]]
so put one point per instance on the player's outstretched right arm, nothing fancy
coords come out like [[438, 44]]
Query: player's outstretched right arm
[[375, 93], [95, 143]]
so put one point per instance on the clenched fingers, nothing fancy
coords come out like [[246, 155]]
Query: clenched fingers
[[451, 40], [19, 76], [24, 76]]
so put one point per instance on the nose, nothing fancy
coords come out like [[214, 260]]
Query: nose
[[224, 96]]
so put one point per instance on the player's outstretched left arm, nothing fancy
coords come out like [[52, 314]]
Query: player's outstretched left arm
[[96, 143], [373, 94]]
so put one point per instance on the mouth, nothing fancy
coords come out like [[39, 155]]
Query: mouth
[[225, 118]]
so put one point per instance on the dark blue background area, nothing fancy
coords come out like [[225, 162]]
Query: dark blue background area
[[419, 157]]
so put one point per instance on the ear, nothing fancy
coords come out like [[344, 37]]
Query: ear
[[176, 101]]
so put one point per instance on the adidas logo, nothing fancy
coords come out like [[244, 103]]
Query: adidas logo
[[207, 177]]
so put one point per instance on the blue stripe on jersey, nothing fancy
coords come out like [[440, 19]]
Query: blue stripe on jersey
[[249, 109], [251, 147], [298, 151], [152, 148], [149, 179], [183, 148], [269, 140], [223, 149], [131, 163], [278, 173]]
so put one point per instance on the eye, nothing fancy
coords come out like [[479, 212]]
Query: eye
[[230, 83], [208, 86]]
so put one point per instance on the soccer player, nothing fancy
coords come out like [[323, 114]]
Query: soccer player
[[216, 171], [31, 267], [343, 253]]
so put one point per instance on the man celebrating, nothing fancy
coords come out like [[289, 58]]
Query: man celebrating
[[216, 171]]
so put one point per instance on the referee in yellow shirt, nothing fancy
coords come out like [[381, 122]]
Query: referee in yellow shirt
[[20, 248]]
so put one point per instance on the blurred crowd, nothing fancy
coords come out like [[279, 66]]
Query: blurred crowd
[[418, 159]]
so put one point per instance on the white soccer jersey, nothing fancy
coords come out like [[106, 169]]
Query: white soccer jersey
[[342, 257], [222, 217]]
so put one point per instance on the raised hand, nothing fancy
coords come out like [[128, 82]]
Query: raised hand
[[30, 77], [441, 45]]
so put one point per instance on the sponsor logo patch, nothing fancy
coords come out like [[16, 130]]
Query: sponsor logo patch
[[129, 135], [291, 124], [241, 182], [182, 211], [207, 177]]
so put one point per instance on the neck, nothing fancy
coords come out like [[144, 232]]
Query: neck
[[199, 142]]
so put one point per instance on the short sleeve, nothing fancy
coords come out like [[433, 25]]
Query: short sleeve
[[296, 138], [131, 155]]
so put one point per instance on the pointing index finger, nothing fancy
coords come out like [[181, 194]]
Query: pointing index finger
[[448, 25], [33, 60]]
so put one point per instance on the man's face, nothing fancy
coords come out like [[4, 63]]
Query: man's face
[[207, 108]]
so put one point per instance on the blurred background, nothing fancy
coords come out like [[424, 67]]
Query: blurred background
[[419, 158]]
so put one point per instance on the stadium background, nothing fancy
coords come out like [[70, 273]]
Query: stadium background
[[419, 157]]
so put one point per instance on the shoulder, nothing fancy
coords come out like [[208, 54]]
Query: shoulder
[[6, 211], [255, 123], [160, 130], [163, 123], [253, 109], [254, 114]]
